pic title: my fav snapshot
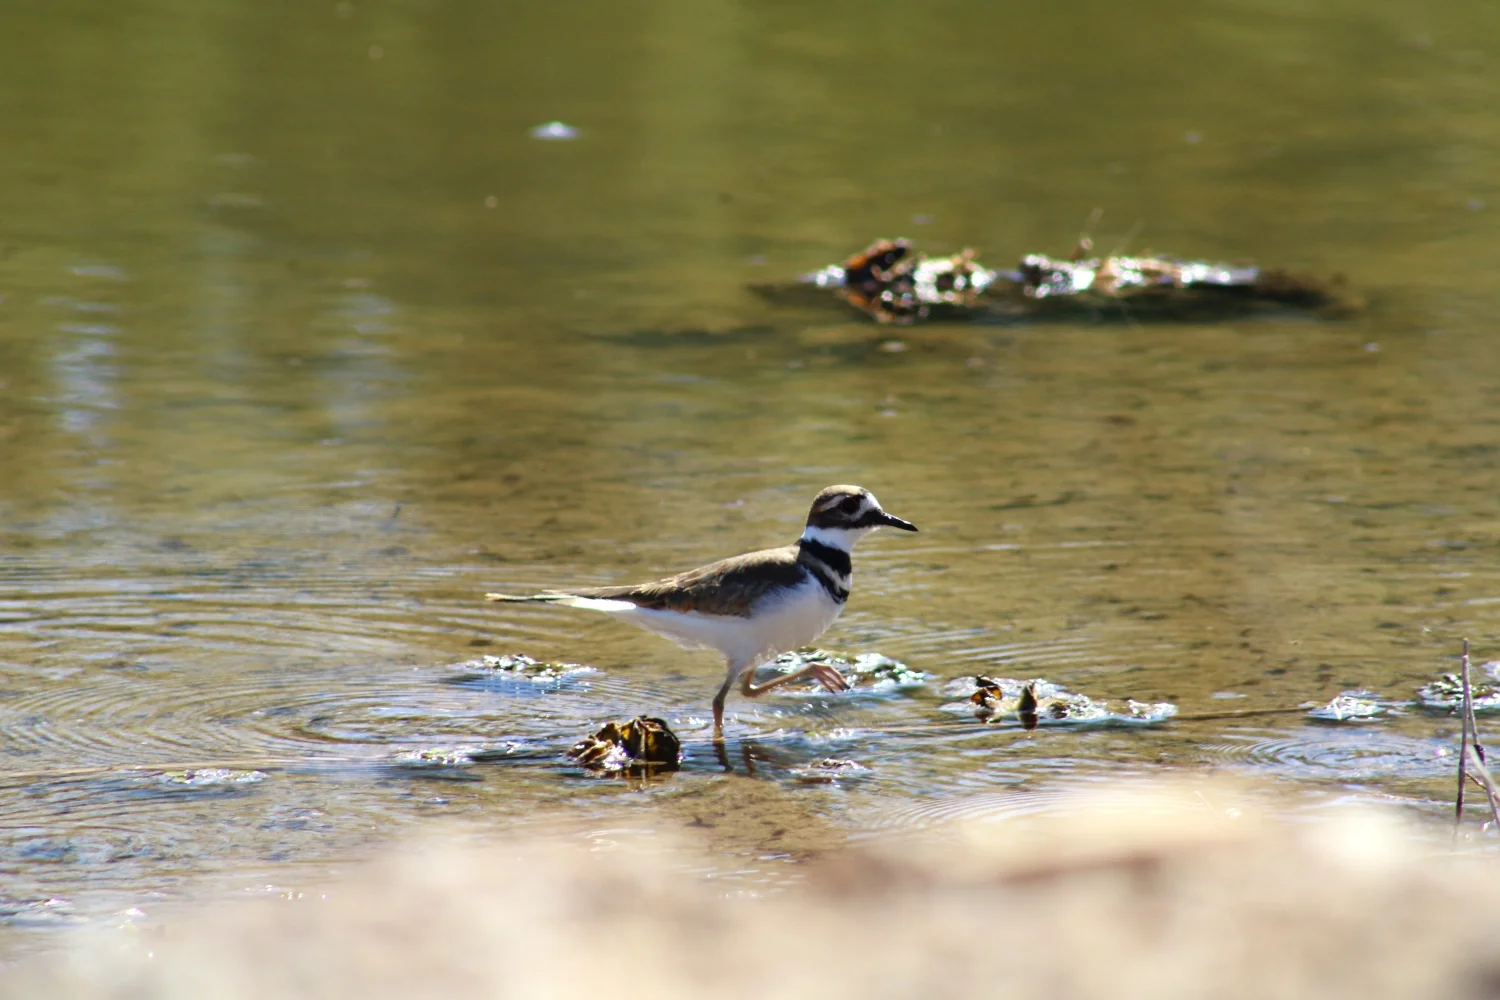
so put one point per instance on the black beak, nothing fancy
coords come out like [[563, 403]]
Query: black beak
[[881, 517]]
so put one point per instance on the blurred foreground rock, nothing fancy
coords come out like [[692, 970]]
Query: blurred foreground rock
[[1156, 894]]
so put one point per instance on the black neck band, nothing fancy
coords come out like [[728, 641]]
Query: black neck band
[[835, 589], [835, 559]]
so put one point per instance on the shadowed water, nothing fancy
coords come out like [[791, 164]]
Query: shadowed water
[[306, 343]]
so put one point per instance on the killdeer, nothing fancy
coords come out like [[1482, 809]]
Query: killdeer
[[756, 606]]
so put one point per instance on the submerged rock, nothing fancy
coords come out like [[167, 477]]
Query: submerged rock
[[1039, 702], [453, 757], [518, 666], [208, 777], [1447, 692], [1354, 706], [641, 746], [432, 757], [829, 771], [867, 671]]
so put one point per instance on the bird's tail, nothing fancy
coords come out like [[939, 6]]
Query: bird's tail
[[571, 600]]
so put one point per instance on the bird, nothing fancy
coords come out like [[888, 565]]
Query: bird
[[756, 606]]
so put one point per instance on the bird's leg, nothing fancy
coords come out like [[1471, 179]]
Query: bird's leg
[[824, 674], [729, 676]]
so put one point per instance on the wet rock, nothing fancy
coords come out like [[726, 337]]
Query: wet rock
[[519, 667], [190, 782], [1447, 692], [209, 777], [641, 746], [448, 758], [1354, 706], [432, 757], [1026, 706], [829, 771], [866, 671], [1039, 702]]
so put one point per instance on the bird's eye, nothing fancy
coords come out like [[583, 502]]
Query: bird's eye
[[849, 505]]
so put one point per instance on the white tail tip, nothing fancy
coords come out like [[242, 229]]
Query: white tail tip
[[597, 604]]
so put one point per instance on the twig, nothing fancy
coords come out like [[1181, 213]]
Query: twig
[[1475, 761], [1469, 712], [1463, 747], [1480, 775], [1242, 713]]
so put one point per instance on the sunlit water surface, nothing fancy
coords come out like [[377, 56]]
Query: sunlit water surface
[[306, 343]]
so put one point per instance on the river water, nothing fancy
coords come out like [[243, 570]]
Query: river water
[[306, 342]]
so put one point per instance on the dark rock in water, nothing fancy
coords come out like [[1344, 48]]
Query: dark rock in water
[[892, 285], [641, 746], [987, 692], [1026, 707]]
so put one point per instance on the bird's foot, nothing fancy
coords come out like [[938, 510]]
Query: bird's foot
[[829, 677]]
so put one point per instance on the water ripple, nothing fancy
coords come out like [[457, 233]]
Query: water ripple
[[1345, 754]]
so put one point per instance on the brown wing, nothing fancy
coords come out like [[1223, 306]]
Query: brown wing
[[727, 587]]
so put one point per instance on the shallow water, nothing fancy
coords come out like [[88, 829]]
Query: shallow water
[[306, 343]]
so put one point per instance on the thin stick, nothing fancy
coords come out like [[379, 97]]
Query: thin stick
[[1243, 713], [1480, 775], [1469, 710], [1478, 766], [1463, 748]]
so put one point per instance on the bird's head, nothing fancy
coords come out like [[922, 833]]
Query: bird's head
[[841, 515]]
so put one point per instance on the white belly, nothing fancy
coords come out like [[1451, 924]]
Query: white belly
[[778, 625]]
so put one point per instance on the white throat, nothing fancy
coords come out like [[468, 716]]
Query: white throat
[[843, 539]]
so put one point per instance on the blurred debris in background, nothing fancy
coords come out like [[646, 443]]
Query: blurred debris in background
[[892, 284]]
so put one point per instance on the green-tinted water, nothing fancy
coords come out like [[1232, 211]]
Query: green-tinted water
[[305, 343]]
